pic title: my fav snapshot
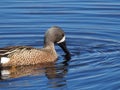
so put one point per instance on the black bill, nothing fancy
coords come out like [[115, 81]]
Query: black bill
[[64, 48]]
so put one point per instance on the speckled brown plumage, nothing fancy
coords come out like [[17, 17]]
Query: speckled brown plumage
[[27, 55]]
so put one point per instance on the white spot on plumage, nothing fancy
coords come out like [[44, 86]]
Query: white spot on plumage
[[4, 60], [62, 40], [5, 72]]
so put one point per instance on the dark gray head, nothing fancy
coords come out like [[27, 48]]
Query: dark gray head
[[57, 36]]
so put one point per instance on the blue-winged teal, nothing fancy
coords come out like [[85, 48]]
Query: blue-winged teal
[[25, 55]]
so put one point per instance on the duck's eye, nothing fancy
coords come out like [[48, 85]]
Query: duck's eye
[[62, 35]]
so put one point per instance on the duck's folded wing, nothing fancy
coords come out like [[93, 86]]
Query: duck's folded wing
[[8, 50]]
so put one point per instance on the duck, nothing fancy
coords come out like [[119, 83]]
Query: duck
[[27, 55]]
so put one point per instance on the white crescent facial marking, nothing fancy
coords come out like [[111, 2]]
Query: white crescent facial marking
[[4, 60], [62, 40]]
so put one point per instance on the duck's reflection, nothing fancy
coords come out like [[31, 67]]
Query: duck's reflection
[[56, 75], [54, 72], [20, 71]]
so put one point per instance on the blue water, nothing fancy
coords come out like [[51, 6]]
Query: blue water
[[92, 29]]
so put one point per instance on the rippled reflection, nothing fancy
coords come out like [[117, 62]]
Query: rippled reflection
[[57, 75]]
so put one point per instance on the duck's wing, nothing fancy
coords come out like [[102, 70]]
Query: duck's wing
[[8, 50]]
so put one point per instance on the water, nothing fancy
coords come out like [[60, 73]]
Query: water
[[93, 38]]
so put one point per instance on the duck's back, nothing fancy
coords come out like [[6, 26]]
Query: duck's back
[[26, 55]]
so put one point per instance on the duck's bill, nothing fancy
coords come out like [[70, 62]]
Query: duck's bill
[[64, 48]]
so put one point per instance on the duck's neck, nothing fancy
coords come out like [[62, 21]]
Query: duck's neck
[[49, 45]]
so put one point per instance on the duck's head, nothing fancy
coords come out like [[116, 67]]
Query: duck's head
[[57, 36]]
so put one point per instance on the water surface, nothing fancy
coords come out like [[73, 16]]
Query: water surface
[[92, 29]]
